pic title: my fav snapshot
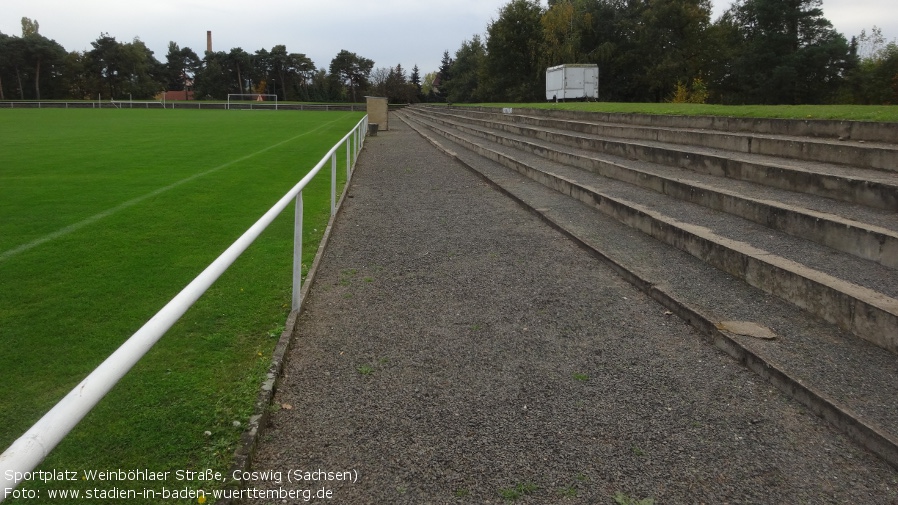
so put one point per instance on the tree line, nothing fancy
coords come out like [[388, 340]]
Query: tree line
[[757, 52], [34, 67]]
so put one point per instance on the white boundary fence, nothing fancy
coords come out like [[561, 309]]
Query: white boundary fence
[[191, 104], [33, 447], [259, 99]]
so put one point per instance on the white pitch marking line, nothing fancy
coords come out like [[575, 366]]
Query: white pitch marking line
[[5, 255]]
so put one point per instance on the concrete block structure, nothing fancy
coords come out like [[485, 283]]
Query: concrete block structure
[[378, 112]]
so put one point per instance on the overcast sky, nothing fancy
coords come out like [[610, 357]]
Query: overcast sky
[[408, 32]]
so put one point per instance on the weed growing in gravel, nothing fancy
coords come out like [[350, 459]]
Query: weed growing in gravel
[[346, 276], [623, 499], [637, 451], [461, 492], [582, 377], [365, 369], [569, 492], [513, 493], [572, 491]]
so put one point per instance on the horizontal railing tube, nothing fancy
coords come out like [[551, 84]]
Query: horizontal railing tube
[[33, 447]]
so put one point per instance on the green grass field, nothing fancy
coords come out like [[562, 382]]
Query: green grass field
[[880, 113], [105, 215]]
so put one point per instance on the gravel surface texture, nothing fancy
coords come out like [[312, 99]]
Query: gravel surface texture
[[456, 349]]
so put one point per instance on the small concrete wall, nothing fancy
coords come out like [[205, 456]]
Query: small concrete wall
[[378, 112]]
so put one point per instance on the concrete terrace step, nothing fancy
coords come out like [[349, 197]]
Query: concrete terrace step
[[866, 233], [857, 295], [865, 310], [866, 186], [868, 131], [844, 379], [880, 155]]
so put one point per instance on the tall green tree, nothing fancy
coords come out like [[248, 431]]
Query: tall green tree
[[144, 74], [427, 86], [787, 52], [4, 61], [300, 70], [607, 36], [30, 27], [76, 76], [240, 61], [353, 70], [873, 79], [513, 68], [325, 87], [181, 65], [467, 69], [119, 70], [396, 85], [105, 66], [445, 72], [261, 74], [441, 80], [565, 24], [30, 62], [671, 42], [213, 80], [278, 69], [415, 80], [288, 73], [619, 38]]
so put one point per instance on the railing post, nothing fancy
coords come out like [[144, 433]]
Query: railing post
[[297, 253], [348, 158], [334, 183]]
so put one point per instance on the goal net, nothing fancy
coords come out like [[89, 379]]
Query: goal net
[[249, 101]]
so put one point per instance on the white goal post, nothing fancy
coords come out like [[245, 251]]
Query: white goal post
[[244, 101]]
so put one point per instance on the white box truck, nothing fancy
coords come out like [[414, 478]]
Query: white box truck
[[572, 82]]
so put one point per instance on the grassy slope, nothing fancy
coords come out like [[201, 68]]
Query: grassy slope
[[886, 113], [67, 303]]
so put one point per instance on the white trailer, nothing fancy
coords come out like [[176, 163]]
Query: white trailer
[[572, 82]]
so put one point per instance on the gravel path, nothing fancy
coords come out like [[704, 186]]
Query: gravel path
[[455, 349]]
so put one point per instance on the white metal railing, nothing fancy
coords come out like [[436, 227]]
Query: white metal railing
[[31, 448]]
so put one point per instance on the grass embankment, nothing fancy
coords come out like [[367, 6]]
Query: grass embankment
[[105, 215], [879, 113]]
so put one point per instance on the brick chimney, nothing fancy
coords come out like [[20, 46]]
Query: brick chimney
[[209, 41]]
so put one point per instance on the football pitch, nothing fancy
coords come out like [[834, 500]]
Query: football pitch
[[105, 215]]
